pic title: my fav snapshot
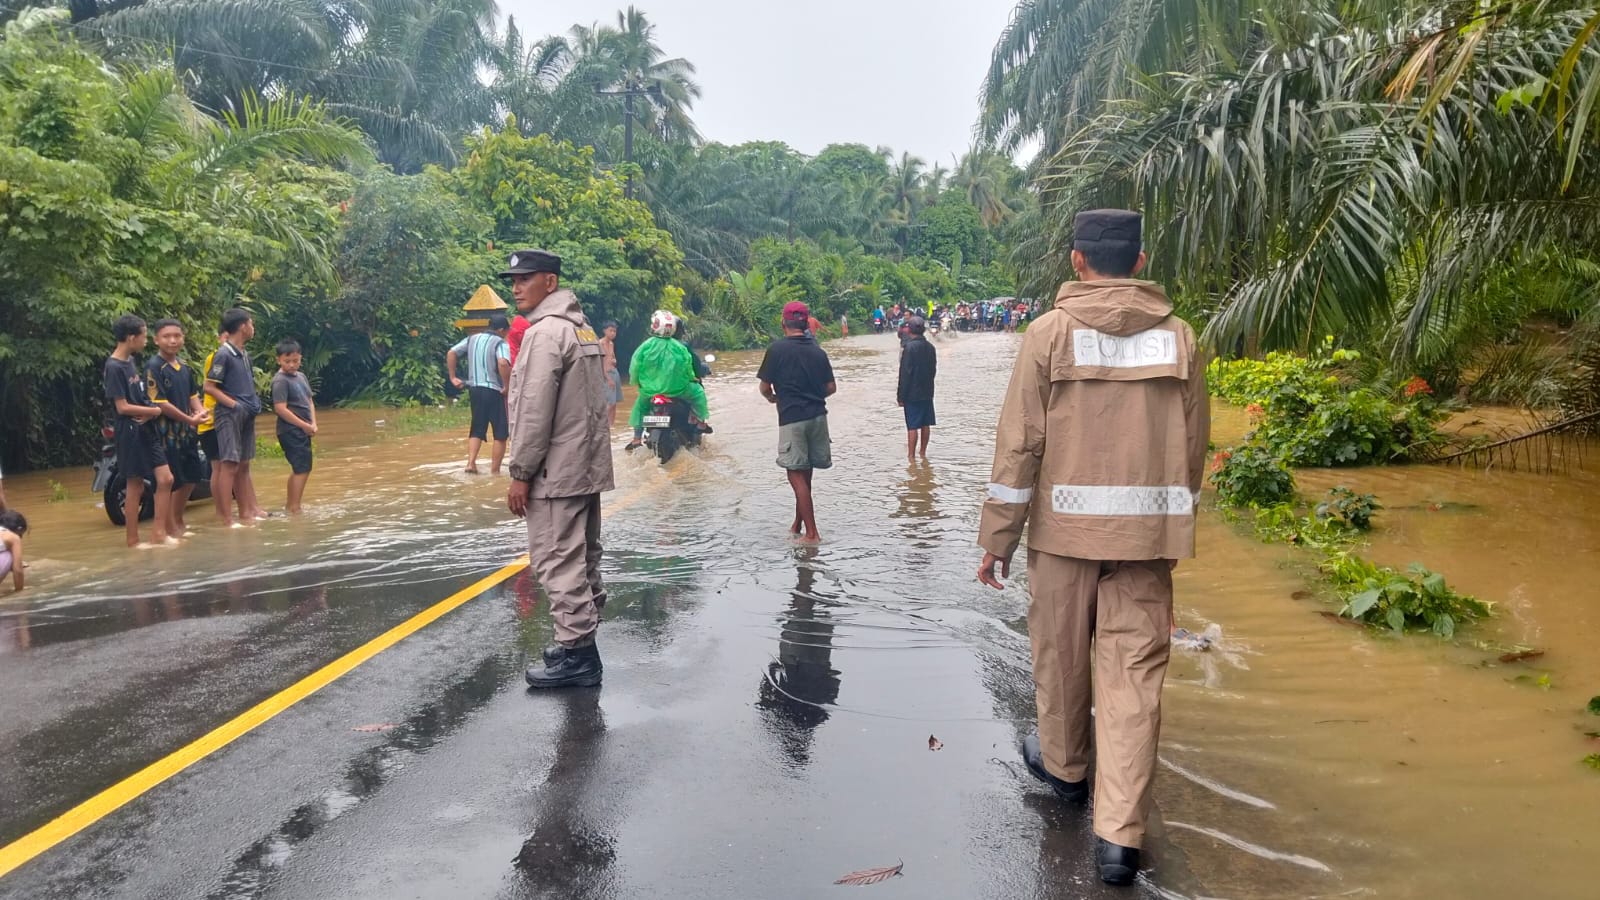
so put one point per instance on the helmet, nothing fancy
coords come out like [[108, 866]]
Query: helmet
[[663, 323]]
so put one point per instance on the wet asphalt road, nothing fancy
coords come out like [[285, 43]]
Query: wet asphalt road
[[763, 727]]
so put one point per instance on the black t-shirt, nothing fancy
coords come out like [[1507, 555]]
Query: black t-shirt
[[798, 369], [172, 383], [230, 370], [123, 382]]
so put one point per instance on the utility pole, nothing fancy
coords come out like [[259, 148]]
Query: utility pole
[[627, 93]]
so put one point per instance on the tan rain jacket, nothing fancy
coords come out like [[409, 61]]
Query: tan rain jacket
[[1102, 439], [557, 407]]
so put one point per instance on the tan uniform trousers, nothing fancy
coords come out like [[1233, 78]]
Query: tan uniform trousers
[[564, 552], [1114, 620]]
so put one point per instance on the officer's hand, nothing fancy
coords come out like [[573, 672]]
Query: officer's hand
[[458, 383], [517, 497], [986, 571]]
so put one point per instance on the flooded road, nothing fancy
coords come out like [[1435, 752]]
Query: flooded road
[[765, 720]]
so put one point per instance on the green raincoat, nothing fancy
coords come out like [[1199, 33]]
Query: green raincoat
[[664, 366]]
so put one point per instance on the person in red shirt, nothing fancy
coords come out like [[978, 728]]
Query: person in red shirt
[[519, 325]]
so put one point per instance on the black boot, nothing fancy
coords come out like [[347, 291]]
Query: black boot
[[1118, 864], [1071, 791], [577, 667], [553, 654]]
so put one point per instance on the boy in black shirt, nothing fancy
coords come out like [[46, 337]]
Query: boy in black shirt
[[175, 388], [140, 455]]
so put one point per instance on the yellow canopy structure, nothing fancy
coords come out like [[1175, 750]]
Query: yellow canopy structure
[[484, 301]]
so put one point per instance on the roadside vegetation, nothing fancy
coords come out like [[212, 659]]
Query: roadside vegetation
[[352, 175]]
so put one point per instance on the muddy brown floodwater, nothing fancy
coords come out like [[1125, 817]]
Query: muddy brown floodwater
[[1300, 757]]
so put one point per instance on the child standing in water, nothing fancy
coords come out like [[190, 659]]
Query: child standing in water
[[12, 527], [297, 419], [141, 455]]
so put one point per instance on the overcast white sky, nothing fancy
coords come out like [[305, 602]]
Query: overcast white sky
[[904, 73]]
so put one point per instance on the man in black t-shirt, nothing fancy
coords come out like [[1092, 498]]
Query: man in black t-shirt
[[796, 375], [140, 454]]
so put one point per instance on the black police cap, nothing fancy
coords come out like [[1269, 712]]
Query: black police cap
[[1098, 227], [530, 262]]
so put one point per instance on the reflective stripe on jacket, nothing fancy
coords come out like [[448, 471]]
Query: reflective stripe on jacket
[[1101, 443]]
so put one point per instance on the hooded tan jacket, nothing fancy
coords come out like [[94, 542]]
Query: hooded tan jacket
[[557, 406], [1102, 439]]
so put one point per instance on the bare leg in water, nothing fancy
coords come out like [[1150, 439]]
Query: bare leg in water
[[805, 516]]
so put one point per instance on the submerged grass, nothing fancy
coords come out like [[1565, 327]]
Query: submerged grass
[[404, 421]]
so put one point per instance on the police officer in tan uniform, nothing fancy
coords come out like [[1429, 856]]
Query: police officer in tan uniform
[[1100, 450], [560, 462]]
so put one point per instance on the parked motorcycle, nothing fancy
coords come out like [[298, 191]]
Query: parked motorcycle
[[113, 488]]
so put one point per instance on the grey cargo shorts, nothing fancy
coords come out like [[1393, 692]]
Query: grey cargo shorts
[[805, 445]]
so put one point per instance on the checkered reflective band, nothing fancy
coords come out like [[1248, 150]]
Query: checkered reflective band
[[1120, 500]]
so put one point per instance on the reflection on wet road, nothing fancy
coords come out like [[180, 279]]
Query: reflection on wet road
[[764, 724]]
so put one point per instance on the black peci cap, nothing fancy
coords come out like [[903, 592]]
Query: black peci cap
[[530, 262], [1107, 227]]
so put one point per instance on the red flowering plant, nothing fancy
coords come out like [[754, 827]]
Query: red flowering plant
[[1251, 475]]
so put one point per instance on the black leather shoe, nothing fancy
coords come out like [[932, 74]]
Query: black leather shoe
[[577, 667], [554, 653], [1071, 791], [1118, 864]]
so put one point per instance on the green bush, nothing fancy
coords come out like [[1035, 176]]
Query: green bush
[[1348, 509], [1308, 414], [1251, 476], [1283, 524], [1381, 596]]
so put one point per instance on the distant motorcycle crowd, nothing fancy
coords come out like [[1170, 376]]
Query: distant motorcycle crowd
[[999, 314]]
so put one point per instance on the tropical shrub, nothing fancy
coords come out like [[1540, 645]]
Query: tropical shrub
[[1251, 476], [1284, 524], [1346, 508], [1419, 599], [1308, 412]]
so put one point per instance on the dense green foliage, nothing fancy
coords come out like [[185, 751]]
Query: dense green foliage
[[116, 196], [142, 171], [1251, 476], [1418, 177], [1312, 411]]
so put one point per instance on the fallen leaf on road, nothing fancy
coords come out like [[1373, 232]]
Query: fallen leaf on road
[[872, 876], [1301, 595], [934, 743], [1520, 655], [376, 726]]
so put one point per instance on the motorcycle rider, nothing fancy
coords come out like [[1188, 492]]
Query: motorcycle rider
[[664, 366]]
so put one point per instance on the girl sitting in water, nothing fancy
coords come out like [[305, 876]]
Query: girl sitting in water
[[12, 527]]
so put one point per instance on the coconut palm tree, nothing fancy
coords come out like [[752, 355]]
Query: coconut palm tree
[[641, 64], [989, 182], [405, 70]]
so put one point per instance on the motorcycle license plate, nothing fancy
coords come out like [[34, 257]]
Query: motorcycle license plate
[[657, 421]]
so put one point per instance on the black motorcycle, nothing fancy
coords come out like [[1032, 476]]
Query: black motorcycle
[[669, 426], [113, 488]]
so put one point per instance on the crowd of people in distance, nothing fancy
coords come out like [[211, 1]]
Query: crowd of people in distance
[[1006, 314]]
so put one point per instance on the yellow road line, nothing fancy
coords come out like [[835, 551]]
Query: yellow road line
[[112, 798]]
